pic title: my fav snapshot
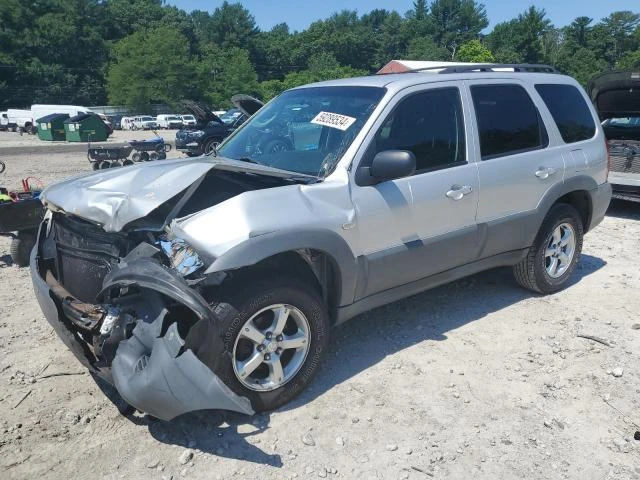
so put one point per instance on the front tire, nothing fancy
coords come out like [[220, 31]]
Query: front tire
[[21, 247], [275, 331], [555, 253]]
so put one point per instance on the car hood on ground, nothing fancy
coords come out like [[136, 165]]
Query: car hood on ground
[[117, 197], [616, 94]]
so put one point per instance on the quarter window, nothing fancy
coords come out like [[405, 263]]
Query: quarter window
[[569, 111], [431, 125], [508, 121]]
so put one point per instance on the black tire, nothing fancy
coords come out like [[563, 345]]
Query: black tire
[[127, 162], [2, 167], [153, 156], [531, 273], [104, 165], [95, 165], [210, 146], [144, 156], [135, 157], [237, 303], [21, 247]]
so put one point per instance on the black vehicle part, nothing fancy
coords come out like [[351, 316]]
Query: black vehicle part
[[203, 336], [2, 167], [127, 162], [21, 246], [104, 165], [158, 375], [144, 156]]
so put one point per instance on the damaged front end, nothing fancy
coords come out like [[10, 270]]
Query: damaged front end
[[130, 307]]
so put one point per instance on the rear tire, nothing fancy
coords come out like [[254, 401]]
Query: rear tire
[[239, 304], [555, 253], [21, 247]]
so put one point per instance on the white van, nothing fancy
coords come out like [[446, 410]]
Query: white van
[[188, 120], [126, 123], [144, 122], [20, 119], [39, 111], [4, 121], [169, 121]]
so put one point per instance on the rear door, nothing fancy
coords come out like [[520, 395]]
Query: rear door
[[417, 226], [517, 164]]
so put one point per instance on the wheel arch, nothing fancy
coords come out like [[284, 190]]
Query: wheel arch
[[321, 255]]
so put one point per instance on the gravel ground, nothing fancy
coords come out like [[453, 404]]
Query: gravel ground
[[475, 379]]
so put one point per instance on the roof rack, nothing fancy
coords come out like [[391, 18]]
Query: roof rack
[[488, 67]]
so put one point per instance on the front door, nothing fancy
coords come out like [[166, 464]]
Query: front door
[[414, 227]]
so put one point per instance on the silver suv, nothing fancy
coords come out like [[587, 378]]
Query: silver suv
[[214, 282]]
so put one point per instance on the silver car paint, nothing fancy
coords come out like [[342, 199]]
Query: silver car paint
[[115, 198]]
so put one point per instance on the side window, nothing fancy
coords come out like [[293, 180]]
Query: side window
[[508, 121], [569, 111], [431, 125]]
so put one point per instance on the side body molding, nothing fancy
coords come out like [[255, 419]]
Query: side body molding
[[264, 246]]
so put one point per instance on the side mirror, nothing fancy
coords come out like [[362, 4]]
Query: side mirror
[[391, 164]]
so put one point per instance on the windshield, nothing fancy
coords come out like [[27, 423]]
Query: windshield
[[188, 117], [172, 118], [148, 119], [305, 130]]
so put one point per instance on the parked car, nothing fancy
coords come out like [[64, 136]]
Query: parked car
[[617, 100], [4, 121], [20, 119], [144, 122], [169, 121], [188, 120], [115, 121], [126, 123], [215, 282], [210, 130]]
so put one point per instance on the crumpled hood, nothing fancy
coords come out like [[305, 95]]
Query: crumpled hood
[[115, 197]]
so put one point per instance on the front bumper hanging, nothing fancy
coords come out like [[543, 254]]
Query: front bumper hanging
[[153, 368]]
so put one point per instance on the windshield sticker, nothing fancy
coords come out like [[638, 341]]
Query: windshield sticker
[[333, 120]]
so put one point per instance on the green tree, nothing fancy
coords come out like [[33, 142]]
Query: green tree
[[474, 51], [456, 22], [231, 26], [425, 48], [151, 65], [522, 39], [224, 73]]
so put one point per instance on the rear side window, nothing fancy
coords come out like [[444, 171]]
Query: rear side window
[[508, 121], [569, 110]]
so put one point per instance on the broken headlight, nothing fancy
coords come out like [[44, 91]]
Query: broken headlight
[[184, 259]]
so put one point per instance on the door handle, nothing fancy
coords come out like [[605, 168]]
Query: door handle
[[459, 191], [543, 172]]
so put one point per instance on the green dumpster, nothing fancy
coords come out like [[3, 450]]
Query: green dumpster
[[51, 127], [86, 127]]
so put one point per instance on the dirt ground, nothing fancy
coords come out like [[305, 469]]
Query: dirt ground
[[476, 379]]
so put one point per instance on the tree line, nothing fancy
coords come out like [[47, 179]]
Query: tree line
[[138, 52]]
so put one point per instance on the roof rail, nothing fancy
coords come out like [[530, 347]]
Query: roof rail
[[489, 67]]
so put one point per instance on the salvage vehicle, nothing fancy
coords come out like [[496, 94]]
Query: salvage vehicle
[[210, 130], [616, 96], [213, 282]]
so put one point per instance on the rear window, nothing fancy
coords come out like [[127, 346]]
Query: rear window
[[569, 110], [508, 121]]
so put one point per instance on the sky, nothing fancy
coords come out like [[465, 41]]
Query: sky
[[298, 14]]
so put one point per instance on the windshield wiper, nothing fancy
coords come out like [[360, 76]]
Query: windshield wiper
[[248, 160]]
